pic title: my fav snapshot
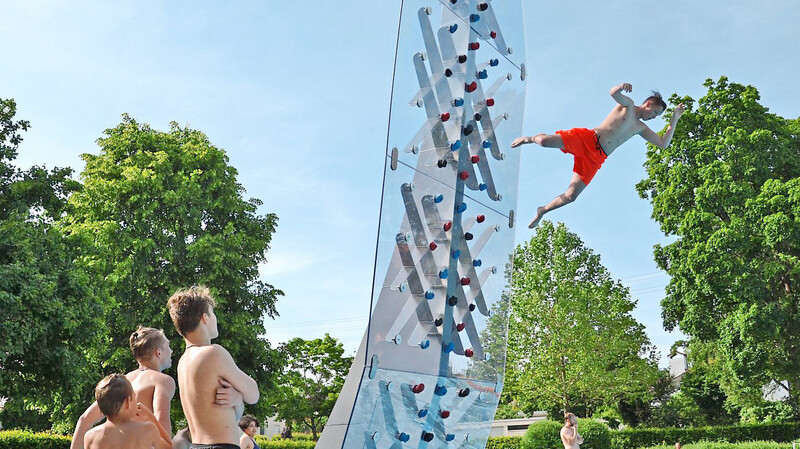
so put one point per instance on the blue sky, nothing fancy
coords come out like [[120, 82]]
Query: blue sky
[[297, 93]]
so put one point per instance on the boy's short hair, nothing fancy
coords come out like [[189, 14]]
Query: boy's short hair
[[187, 306], [656, 98], [246, 420], [111, 393], [145, 341]]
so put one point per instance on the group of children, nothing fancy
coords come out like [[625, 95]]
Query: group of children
[[213, 390]]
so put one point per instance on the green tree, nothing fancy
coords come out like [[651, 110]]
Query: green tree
[[163, 210], [48, 304], [728, 191], [310, 381], [572, 343]]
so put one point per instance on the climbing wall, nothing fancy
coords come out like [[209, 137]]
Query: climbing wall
[[425, 374]]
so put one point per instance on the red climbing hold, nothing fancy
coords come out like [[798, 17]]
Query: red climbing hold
[[417, 388], [471, 86], [493, 34], [460, 326], [445, 414], [432, 246], [464, 281], [463, 175], [475, 159], [469, 352], [447, 226], [474, 45], [480, 218], [490, 102], [445, 116]]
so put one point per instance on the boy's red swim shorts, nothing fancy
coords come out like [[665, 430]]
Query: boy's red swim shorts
[[589, 155]]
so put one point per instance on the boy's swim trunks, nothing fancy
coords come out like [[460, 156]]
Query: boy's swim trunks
[[589, 154]]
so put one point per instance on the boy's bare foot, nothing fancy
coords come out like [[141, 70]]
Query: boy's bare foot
[[539, 214], [525, 139]]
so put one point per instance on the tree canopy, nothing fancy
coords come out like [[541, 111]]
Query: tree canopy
[[572, 342], [728, 191]]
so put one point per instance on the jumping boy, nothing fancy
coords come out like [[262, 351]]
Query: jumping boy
[[203, 368], [591, 147], [129, 425], [152, 388]]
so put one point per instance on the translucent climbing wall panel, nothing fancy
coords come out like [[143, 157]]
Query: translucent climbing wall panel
[[423, 375]]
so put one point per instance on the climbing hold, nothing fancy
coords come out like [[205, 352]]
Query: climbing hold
[[493, 34], [462, 207], [467, 130], [483, 6], [456, 254], [424, 344], [462, 58], [494, 62], [477, 263], [465, 281], [442, 163], [477, 117], [453, 28], [426, 436], [471, 307], [418, 388], [440, 390], [450, 437], [487, 144], [467, 236], [444, 414], [471, 86], [438, 322], [475, 159], [464, 392], [482, 186], [453, 1], [429, 295], [480, 218], [455, 145], [403, 437], [483, 74], [448, 73], [452, 300], [490, 102], [445, 116], [457, 102], [469, 352], [474, 18], [448, 347], [438, 199], [432, 246], [447, 226], [460, 327], [443, 273], [463, 175], [474, 45]]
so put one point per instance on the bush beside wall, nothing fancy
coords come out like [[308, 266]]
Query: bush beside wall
[[20, 439]]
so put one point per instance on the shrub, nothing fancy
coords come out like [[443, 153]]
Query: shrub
[[280, 443], [724, 445], [645, 437], [596, 435], [504, 443], [543, 434], [20, 439]]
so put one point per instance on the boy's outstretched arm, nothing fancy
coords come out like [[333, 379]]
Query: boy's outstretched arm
[[616, 94], [91, 416], [664, 141]]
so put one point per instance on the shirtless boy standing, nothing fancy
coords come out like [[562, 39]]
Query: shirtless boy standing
[[203, 368], [130, 425], [152, 388], [591, 147]]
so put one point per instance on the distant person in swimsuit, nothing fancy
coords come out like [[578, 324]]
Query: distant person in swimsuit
[[569, 433], [203, 369], [591, 147], [129, 425], [152, 388], [249, 425]]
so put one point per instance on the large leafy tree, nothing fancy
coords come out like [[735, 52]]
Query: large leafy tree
[[163, 210], [310, 381], [48, 305], [728, 191], [572, 342]]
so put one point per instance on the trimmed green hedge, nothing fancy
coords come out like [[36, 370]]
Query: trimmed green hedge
[[280, 443], [724, 445], [646, 437], [20, 439], [504, 443]]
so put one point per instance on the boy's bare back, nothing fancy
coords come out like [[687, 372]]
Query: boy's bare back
[[127, 435]]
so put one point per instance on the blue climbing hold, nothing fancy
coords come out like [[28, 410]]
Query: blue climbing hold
[[448, 348], [456, 254], [462, 207], [476, 263], [450, 437], [453, 28], [483, 74], [429, 294], [440, 390], [455, 145], [482, 186], [422, 413], [494, 62], [438, 199], [443, 273], [474, 18], [403, 437], [487, 144], [424, 344], [458, 102]]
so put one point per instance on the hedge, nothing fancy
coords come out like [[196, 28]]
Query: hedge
[[20, 439], [724, 445], [646, 437]]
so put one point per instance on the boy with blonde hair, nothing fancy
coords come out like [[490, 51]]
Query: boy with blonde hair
[[129, 425], [203, 368]]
